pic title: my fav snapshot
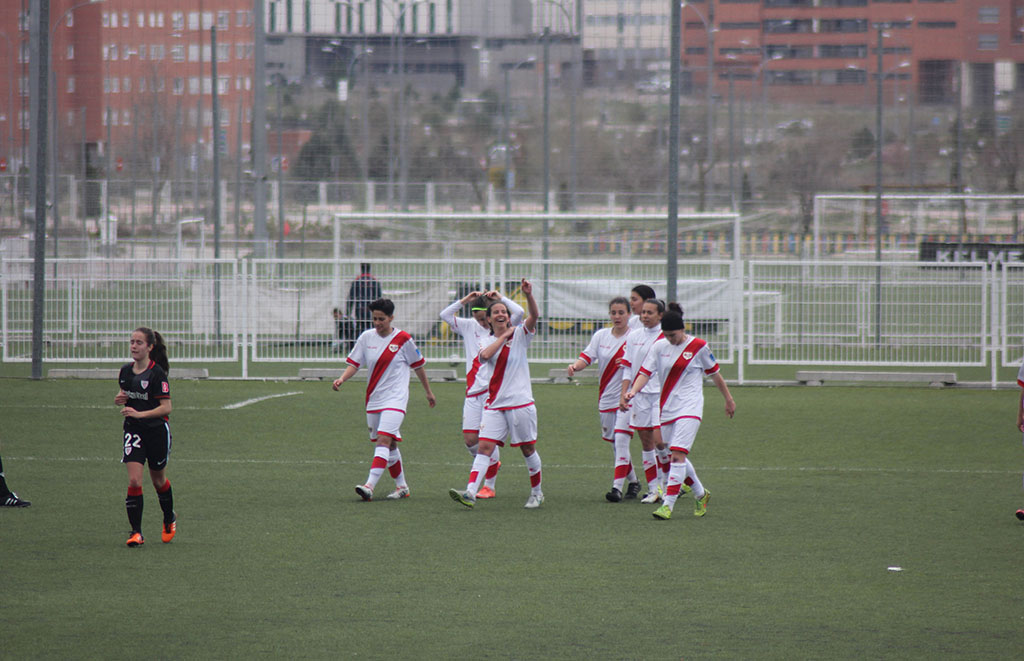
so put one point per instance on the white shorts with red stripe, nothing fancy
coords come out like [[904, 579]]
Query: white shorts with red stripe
[[646, 411], [519, 425], [387, 422], [613, 422], [680, 434], [472, 410]]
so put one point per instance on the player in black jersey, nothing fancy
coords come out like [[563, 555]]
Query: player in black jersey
[[145, 397]]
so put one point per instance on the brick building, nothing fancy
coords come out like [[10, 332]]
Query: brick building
[[131, 76], [825, 51]]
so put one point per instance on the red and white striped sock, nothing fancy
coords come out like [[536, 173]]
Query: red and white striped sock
[[623, 466], [492, 469], [380, 462], [650, 469], [664, 464], [676, 474], [395, 468], [476, 474], [533, 465]]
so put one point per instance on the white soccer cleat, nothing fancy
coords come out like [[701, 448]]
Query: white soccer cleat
[[398, 493], [534, 501], [650, 497], [365, 492]]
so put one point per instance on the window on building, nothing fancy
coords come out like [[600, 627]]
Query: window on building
[[223, 20], [788, 3], [843, 50], [783, 26], [739, 25], [288, 16], [193, 85], [239, 18], [70, 52], [158, 84], [115, 85], [178, 53], [126, 85], [70, 116], [193, 20], [156, 51], [223, 84], [142, 51], [696, 50], [112, 51], [207, 20], [71, 85], [105, 19], [142, 86], [223, 52], [843, 25], [177, 20], [23, 122], [988, 42], [193, 52], [141, 20], [988, 14], [937, 25]]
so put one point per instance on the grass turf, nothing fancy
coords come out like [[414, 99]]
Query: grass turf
[[816, 493]]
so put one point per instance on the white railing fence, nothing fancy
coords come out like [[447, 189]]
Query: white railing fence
[[911, 314]]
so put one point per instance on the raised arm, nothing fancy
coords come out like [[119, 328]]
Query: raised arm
[[448, 314], [533, 312]]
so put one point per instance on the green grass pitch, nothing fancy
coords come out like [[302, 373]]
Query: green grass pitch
[[817, 492]]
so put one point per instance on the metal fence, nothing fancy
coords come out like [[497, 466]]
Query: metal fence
[[752, 313]]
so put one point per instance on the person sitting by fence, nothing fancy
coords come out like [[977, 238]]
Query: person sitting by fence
[[364, 290]]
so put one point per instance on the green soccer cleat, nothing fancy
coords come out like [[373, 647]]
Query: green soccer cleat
[[663, 513], [462, 497], [700, 506]]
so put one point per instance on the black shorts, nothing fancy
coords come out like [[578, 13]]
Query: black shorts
[[148, 443]]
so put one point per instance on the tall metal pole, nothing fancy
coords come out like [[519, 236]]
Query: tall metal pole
[[259, 130], [672, 236], [280, 177], [577, 90], [879, 27], [732, 158], [508, 157], [547, 132], [215, 111], [709, 183], [39, 17], [54, 161], [403, 164]]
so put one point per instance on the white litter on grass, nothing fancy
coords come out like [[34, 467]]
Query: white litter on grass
[[238, 405], [895, 568]]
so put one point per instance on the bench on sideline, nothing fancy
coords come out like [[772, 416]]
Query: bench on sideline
[[111, 373], [332, 373], [558, 375], [934, 379]]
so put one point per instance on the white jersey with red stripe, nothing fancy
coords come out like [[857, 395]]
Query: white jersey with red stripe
[[475, 337], [638, 342], [388, 361], [510, 385], [681, 368], [634, 322], [608, 351]]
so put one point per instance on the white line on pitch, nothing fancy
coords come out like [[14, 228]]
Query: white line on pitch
[[254, 400]]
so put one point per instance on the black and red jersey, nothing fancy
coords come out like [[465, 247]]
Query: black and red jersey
[[144, 392]]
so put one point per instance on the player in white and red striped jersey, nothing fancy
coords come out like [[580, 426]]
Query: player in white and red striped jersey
[[1020, 417], [607, 348], [644, 409], [637, 296], [388, 354], [476, 334], [509, 412], [682, 362]]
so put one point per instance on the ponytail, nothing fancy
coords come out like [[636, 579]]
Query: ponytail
[[675, 307], [158, 352]]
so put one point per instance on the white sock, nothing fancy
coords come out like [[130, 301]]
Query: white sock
[[476, 474], [490, 479], [533, 465], [381, 453], [664, 465], [693, 481], [623, 466], [676, 475], [396, 469], [650, 459]]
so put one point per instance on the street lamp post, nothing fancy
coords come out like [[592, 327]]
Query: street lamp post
[[708, 22], [577, 85], [508, 142], [55, 122]]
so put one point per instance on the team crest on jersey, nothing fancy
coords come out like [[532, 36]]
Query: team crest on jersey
[[165, 387], [392, 348], [687, 355], [145, 384]]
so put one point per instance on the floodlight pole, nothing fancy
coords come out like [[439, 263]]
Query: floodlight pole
[[879, 27], [672, 234], [39, 17]]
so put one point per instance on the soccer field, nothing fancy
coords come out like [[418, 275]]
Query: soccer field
[[817, 493]]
